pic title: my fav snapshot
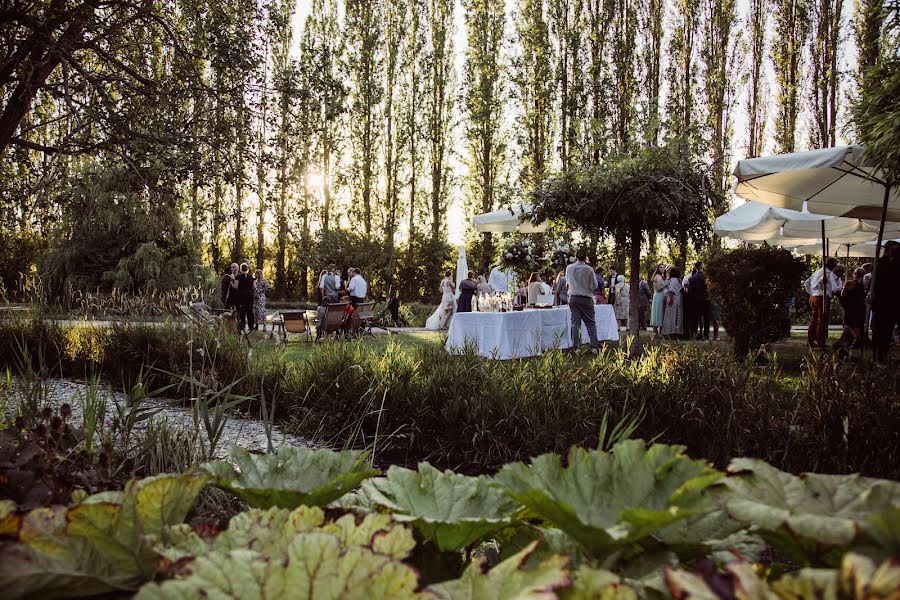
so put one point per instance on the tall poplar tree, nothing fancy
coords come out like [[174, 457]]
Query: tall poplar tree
[[757, 96], [395, 36], [791, 31], [566, 22], [720, 55], [683, 49], [413, 89], [485, 96], [439, 94], [624, 58], [363, 36], [824, 76], [532, 75], [651, 27]]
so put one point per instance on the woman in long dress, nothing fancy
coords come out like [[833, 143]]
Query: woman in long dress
[[622, 302], [260, 290], [440, 318], [673, 320], [658, 308]]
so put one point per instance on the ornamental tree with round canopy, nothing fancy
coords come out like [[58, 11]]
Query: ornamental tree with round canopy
[[660, 189]]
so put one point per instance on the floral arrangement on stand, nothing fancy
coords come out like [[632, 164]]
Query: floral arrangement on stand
[[562, 254], [522, 256]]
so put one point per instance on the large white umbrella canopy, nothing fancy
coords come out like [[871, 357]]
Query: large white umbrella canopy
[[863, 250], [831, 181], [755, 222], [508, 220]]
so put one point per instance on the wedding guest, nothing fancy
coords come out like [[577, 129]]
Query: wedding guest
[[700, 299], [534, 289], [244, 283], [659, 298], [610, 284], [886, 300], [483, 285], [821, 287], [561, 289], [644, 295], [260, 289], [582, 281], [673, 319], [853, 301], [622, 304], [321, 311], [328, 285], [228, 295], [687, 306], [357, 288], [467, 289], [600, 289]]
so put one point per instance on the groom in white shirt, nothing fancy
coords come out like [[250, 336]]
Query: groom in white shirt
[[821, 287], [357, 288]]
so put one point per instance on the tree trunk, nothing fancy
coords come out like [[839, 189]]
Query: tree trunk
[[635, 289]]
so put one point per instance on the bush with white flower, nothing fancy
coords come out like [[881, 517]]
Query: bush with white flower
[[522, 256], [562, 254]]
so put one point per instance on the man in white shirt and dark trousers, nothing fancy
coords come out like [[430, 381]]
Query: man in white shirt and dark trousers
[[582, 281], [821, 287], [357, 288]]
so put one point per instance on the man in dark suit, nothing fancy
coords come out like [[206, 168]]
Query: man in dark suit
[[700, 298]]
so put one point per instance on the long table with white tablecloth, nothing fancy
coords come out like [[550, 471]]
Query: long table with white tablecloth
[[529, 332]]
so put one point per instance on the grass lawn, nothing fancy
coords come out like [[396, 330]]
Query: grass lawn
[[789, 354]]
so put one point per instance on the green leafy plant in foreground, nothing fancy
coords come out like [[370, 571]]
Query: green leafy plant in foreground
[[98, 545], [813, 518], [609, 500], [292, 477], [451, 510]]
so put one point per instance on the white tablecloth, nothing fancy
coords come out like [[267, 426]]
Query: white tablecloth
[[524, 333]]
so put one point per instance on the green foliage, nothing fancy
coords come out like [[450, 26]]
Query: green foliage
[[453, 511], [607, 501], [859, 578], [20, 252], [660, 189], [292, 477], [876, 117], [98, 545], [811, 519], [753, 286]]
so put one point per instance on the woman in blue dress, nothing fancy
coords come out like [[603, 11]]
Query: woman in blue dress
[[657, 309]]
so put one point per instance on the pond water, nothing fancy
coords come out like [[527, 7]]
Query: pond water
[[241, 430]]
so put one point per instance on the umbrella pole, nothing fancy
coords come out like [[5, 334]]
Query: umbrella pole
[[824, 336], [887, 195]]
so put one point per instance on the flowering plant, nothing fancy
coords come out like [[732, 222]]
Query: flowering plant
[[562, 254], [521, 256]]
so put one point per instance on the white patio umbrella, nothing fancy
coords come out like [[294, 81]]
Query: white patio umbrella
[[831, 181], [508, 220], [756, 223], [863, 250]]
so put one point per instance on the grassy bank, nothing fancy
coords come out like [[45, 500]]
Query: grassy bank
[[410, 401]]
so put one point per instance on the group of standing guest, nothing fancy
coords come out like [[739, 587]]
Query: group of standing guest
[[246, 294], [682, 307]]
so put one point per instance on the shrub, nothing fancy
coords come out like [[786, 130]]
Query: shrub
[[754, 285]]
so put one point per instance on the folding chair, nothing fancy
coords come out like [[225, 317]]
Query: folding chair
[[333, 323], [365, 316], [295, 321]]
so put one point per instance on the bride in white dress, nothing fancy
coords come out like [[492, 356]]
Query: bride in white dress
[[440, 318]]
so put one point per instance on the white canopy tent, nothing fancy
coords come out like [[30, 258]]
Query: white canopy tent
[[756, 223], [508, 220], [462, 267], [831, 181], [863, 250]]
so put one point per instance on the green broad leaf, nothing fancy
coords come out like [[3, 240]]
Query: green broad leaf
[[597, 584], [98, 545], [451, 510], [292, 477], [270, 532], [811, 517], [884, 528], [316, 566], [509, 579], [608, 500]]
